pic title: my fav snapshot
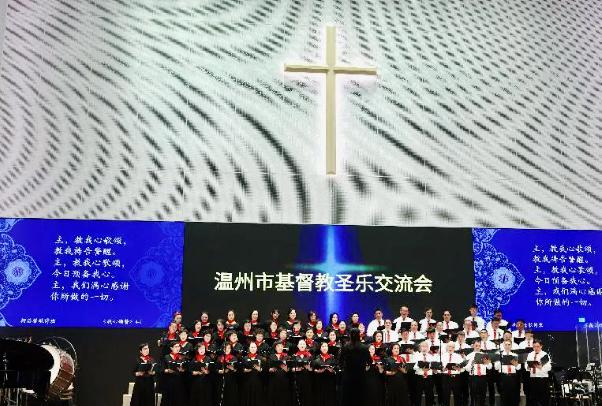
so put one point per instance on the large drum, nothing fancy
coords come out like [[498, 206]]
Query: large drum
[[61, 374]]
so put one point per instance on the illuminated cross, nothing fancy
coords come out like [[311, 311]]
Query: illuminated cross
[[331, 70]]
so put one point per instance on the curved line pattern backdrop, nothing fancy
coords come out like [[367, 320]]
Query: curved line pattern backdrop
[[483, 113]]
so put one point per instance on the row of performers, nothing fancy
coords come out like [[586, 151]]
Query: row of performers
[[395, 375], [313, 337]]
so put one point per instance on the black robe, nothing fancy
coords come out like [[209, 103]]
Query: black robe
[[302, 381], [324, 385], [252, 389], [374, 393], [397, 387], [173, 390], [353, 359], [201, 386], [144, 386], [279, 387], [226, 389]]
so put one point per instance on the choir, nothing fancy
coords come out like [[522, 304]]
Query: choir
[[294, 363]]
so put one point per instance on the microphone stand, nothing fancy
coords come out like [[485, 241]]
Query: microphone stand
[[221, 399], [296, 388]]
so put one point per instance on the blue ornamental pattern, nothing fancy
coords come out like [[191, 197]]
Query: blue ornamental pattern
[[496, 278], [157, 275], [7, 224], [18, 270]]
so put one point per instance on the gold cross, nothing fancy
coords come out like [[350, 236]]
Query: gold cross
[[331, 70]]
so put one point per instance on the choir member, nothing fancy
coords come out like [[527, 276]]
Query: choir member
[[302, 376], [494, 331], [237, 348], [196, 332], [252, 393], [279, 388], [404, 317], [508, 367], [389, 335], [433, 342], [333, 342], [415, 334], [185, 346], [452, 366], [247, 333], [312, 318], [526, 345], [227, 385], [207, 343], [177, 318], [231, 323], [144, 386], [424, 375], [343, 333], [539, 366], [519, 333], [324, 382], [262, 347], [272, 333], [296, 334], [507, 336], [310, 342], [282, 339], [407, 352], [173, 390], [428, 320], [397, 393], [219, 337], [363, 336], [375, 385], [477, 369], [205, 322], [528, 342], [469, 331], [486, 343], [354, 320], [254, 319], [377, 341], [290, 322], [448, 324], [169, 338], [374, 325], [497, 314], [462, 348], [321, 334], [274, 316], [333, 322], [477, 321], [440, 334], [201, 388]]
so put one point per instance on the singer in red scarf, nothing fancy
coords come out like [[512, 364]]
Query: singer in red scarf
[[201, 389], [302, 374], [252, 393], [227, 382], [324, 382], [374, 387], [398, 393], [279, 385], [143, 393], [173, 390], [170, 336]]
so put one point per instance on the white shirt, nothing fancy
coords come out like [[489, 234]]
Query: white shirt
[[507, 369], [400, 320], [471, 334], [426, 357], [373, 326], [449, 325], [416, 335], [453, 358], [487, 345], [503, 324], [424, 324], [461, 347], [526, 344], [390, 336], [495, 335], [476, 369], [518, 334], [542, 371], [433, 342], [479, 320]]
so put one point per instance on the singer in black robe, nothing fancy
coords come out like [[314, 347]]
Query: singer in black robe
[[143, 393], [201, 388], [252, 391], [173, 390], [226, 383], [302, 375], [397, 392], [324, 384], [279, 386], [374, 393]]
